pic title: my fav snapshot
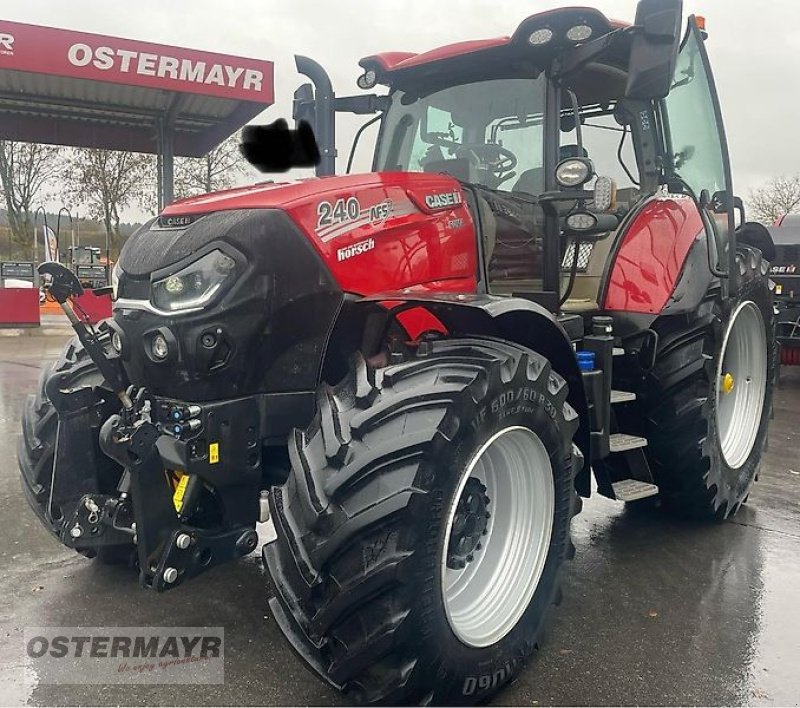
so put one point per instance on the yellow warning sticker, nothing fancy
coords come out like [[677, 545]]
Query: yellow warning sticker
[[213, 453], [180, 490]]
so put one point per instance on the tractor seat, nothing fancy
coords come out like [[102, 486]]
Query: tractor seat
[[530, 181]]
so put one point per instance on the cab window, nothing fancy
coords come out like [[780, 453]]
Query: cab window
[[695, 140]]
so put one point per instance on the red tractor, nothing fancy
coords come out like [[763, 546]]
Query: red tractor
[[418, 371]]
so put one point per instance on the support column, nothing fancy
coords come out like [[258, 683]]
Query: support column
[[165, 165], [166, 152]]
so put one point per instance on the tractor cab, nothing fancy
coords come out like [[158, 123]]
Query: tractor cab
[[555, 133]]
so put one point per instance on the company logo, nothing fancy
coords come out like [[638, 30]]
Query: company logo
[[6, 44], [784, 270], [130, 655], [443, 200], [165, 67], [175, 222], [355, 249]]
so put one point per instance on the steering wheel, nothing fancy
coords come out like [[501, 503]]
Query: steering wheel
[[493, 158]]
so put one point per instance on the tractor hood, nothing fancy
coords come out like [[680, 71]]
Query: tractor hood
[[375, 232], [243, 286]]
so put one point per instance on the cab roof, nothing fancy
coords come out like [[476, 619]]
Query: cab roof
[[393, 67]]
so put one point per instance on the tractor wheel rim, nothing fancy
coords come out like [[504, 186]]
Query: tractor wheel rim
[[742, 361], [486, 598]]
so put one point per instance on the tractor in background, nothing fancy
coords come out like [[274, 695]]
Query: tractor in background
[[785, 271]]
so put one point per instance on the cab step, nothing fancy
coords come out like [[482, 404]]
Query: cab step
[[629, 490], [622, 396], [620, 442]]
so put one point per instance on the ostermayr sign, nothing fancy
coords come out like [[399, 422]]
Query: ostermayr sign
[[81, 55]]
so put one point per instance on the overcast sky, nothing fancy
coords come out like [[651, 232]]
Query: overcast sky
[[753, 48]]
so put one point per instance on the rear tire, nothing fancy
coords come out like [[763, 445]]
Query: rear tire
[[37, 445], [705, 444], [367, 549]]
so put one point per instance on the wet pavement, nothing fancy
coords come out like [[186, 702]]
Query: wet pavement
[[656, 611]]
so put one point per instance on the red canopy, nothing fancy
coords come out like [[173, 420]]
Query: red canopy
[[86, 90]]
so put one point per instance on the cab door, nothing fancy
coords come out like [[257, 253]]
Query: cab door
[[696, 147]]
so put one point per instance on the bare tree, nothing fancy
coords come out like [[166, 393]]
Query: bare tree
[[26, 169], [217, 169], [781, 195], [105, 182]]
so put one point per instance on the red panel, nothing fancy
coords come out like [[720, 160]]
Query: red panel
[[452, 50], [58, 52], [391, 61], [652, 254], [391, 240], [96, 307], [790, 356], [385, 60], [19, 306]]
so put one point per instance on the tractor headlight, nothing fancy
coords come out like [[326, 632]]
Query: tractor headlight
[[368, 79], [195, 285], [581, 221], [574, 171]]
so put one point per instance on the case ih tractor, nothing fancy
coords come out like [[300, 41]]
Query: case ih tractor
[[537, 291], [785, 271]]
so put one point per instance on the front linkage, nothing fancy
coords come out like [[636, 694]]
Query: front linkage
[[169, 452]]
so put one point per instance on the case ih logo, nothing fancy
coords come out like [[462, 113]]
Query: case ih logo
[[784, 270], [6, 43], [443, 200], [165, 67], [175, 222]]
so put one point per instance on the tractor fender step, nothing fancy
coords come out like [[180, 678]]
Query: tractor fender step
[[620, 442], [629, 490], [622, 396]]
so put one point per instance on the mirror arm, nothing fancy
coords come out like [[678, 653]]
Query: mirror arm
[[577, 57], [361, 105], [576, 113]]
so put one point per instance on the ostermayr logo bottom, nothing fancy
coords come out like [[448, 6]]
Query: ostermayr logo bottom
[[103, 655]]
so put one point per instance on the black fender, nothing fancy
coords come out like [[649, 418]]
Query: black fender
[[364, 322]]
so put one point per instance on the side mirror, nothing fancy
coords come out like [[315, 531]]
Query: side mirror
[[654, 50]]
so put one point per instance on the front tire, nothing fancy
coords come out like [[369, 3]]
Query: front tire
[[36, 448], [392, 582]]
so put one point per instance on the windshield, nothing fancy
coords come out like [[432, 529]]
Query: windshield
[[488, 132]]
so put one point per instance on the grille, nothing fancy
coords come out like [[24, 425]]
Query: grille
[[584, 255]]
